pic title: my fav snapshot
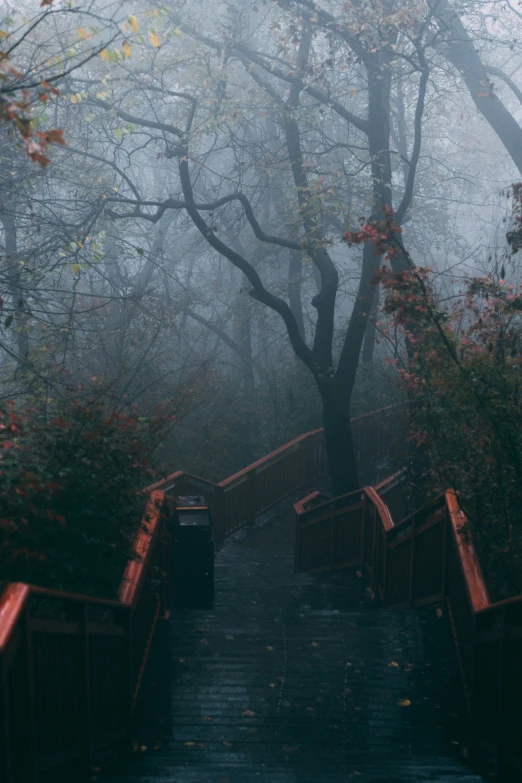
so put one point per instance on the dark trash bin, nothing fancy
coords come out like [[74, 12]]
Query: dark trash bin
[[193, 552]]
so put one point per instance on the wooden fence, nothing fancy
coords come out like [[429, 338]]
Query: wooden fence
[[428, 558], [296, 465], [71, 665]]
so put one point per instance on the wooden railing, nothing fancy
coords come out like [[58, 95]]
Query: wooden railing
[[71, 665], [336, 533], [428, 558], [298, 464]]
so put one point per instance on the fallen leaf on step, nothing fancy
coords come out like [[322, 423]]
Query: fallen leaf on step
[[248, 714], [272, 684], [314, 644], [393, 665], [206, 717], [404, 702]]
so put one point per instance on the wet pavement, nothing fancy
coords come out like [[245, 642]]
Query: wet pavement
[[297, 679]]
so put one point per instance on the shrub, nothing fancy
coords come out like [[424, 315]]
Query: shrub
[[464, 380], [69, 502]]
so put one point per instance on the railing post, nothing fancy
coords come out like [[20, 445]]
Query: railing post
[[31, 694], [445, 554], [412, 563], [252, 495], [501, 713], [384, 565], [129, 691], [6, 768], [363, 531], [332, 527], [471, 686], [219, 515], [87, 737]]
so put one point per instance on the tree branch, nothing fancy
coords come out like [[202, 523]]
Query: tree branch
[[258, 292]]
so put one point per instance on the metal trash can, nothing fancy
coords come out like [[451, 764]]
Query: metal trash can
[[193, 553]]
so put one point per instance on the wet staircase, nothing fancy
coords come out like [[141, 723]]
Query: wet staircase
[[297, 678]]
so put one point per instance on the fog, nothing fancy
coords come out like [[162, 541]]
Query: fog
[[185, 243]]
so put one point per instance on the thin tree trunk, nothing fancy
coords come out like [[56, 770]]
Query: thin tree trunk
[[16, 291], [371, 330], [461, 52]]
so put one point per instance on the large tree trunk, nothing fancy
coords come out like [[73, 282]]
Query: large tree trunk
[[244, 338], [342, 462], [295, 276]]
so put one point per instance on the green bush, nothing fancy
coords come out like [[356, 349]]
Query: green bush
[[69, 502]]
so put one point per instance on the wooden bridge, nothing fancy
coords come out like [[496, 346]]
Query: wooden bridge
[[324, 658]]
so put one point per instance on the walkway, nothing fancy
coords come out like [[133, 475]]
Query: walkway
[[297, 679]]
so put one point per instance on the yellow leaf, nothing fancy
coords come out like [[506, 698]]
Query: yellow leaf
[[404, 702], [177, 32], [3, 35], [76, 269], [189, 744], [82, 32], [127, 50], [134, 24], [74, 99], [393, 665], [104, 54], [272, 684], [153, 38]]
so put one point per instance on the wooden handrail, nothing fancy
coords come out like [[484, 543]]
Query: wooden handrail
[[134, 572], [12, 602], [475, 583], [134, 617], [130, 619], [429, 557], [382, 508]]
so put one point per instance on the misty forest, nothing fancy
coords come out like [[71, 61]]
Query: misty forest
[[227, 224]]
